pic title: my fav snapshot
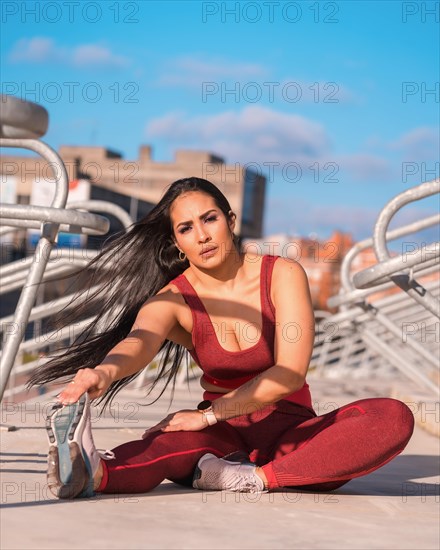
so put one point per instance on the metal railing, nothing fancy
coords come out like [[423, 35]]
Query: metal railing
[[396, 333], [49, 219], [61, 262]]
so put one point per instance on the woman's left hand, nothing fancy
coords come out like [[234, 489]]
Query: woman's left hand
[[181, 421]]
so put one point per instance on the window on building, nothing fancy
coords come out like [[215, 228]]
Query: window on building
[[250, 186]]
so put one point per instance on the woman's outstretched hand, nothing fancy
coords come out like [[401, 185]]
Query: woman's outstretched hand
[[93, 381], [181, 421]]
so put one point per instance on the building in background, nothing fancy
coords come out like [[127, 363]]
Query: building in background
[[137, 185], [321, 259]]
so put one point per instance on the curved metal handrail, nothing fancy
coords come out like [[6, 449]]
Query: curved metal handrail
[[346, 281], [70, 221], [345, 298], [14, 281], [89, 205], [105, 207], [372, 276], [394, 268], [40, 147], [382, 329], [49, 232], [424, 190]]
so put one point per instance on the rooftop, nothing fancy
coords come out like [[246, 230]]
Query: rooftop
[[396, 506]]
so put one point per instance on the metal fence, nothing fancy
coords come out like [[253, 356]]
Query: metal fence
[[398, 333]]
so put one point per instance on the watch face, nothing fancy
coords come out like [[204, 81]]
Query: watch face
[[204, 405]]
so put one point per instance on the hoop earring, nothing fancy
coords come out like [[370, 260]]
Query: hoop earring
[[180, 256]]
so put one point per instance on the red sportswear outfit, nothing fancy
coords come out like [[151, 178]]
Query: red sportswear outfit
[[295, 447]]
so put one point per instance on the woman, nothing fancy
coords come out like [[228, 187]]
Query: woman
[[181, 282]]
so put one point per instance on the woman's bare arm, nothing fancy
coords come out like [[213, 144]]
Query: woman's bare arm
[[155, 320]]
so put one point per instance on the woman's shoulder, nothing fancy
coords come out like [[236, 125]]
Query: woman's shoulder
[[170, 293], [280, 261], [284, 270], [170, 288], [287, 270]]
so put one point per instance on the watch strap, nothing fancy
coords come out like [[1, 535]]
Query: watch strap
[[210, 416], [205, 407]]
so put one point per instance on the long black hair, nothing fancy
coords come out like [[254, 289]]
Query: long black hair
[[143, 260]]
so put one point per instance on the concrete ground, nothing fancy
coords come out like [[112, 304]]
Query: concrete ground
[[395, 507]]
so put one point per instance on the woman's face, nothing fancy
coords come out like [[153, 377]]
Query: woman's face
[[201, 230]]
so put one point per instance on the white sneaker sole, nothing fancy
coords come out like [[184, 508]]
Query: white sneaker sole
[[67, 474]]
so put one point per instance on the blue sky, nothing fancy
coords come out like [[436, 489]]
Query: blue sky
[[335, 96]]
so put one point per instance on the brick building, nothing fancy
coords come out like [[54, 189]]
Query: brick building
[[322, 260]]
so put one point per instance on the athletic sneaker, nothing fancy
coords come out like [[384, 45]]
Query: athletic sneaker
[[219, 474], [73, 459]]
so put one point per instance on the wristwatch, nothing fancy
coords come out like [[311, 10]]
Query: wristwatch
[[205, 407]]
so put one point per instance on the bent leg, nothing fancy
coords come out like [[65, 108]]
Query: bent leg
[[141, 465], [327, 451]]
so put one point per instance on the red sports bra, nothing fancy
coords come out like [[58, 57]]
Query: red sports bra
[[231, 369]]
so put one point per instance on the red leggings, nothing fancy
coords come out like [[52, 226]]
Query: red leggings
[[295, 447]]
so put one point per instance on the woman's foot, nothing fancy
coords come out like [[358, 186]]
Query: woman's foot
[[74, 464], [219, 474]]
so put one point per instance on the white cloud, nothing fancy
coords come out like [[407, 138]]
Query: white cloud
[[365, 167], [247, 81], [95, 55], [292, 91], [41, 49], [254, 134], [192, 71], [263, 135], [38, 50], [421, 143]]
